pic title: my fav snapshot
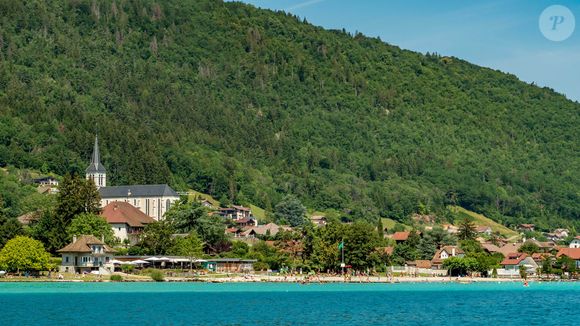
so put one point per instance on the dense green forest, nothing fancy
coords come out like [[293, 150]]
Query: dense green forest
[[249, 105]]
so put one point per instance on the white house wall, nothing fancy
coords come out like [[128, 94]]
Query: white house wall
[[155, 207]]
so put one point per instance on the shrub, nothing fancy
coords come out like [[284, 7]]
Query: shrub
[[260, 266], [116, 278], [157, 275], [127, 268]]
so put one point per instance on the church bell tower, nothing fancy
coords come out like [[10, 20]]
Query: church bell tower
[[96, 171]]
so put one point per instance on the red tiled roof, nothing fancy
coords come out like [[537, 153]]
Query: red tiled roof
[[420, 263], [83, 244], [401, 236], [490, 247], [231, 230], [244, 220], [510, 248], [121, 212], [573, 253], [540, 256], [386, 250], [514, 258]]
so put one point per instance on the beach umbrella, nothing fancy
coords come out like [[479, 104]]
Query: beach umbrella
[[179, 260], [116, 262], [140, 262], [127, 263], [152, 259], [164, 259]]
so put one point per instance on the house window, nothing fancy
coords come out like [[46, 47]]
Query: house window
[[66, 259], [167, 205], [159, 208]]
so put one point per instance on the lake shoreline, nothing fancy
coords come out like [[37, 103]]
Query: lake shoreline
[[282, 279]]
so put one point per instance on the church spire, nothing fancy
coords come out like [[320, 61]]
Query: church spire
[[96, 159], [95, 170]]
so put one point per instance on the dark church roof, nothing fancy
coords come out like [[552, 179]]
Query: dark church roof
[[95, 166], [137, 191]]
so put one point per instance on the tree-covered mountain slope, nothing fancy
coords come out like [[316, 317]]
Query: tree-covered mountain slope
[[248, 104]]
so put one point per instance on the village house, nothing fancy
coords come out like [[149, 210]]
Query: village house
[[444, 253], [544, 246], [87, 254], [206, 203], [511, 265], [451, 229], [401, 236], [46, 185], [575, 243], [46, 181], [127, 222], [572, 253], [526, 227], [30, 217], [509, 248], [235, 212], [483, 230], [153, 200], [246, 222], [561, 233], [490, 247], [539, 257], [318, 220], [270, 229], [423, 264]]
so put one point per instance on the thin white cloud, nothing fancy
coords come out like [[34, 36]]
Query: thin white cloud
[[303, 4]]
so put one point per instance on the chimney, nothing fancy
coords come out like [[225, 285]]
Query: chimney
[[74, 238], [453, 251], [103, 238]]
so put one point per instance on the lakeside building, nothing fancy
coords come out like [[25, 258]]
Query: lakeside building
[[87, 254], [511, 265], [575, 243], [127, 221], [153, 200], [572, 253], [444, 253]]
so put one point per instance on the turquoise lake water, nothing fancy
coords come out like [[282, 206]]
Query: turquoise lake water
[[289, 304]]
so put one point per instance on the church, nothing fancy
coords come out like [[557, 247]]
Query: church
[[153, 200]]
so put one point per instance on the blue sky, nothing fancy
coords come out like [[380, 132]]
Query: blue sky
[[500, 34]]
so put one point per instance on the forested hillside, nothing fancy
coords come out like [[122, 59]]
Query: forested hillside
[[248, 105]]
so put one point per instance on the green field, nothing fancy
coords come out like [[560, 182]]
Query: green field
[[390, 223], [481, 220]]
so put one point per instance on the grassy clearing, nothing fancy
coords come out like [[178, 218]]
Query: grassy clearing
[[196, 194], [479, 219], [390, 223], [258, 212]]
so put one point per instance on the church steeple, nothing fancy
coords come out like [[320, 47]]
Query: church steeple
[[96, 171]]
